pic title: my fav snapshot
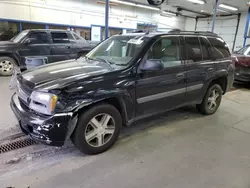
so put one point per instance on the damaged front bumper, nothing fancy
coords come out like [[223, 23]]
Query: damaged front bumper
[[242, 74], [51, 130]]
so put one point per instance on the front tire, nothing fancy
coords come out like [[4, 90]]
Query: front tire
[[211, 101], [7, 66], [97, 129]]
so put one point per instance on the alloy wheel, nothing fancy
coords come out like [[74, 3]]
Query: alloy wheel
[[100, 130], [213, 99], [6, 66]]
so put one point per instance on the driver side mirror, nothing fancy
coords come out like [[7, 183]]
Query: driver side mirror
[[152, 65], [30, 40]]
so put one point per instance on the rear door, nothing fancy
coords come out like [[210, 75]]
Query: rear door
[[200, 67], [163, 90], [39, 46], [61, 49]]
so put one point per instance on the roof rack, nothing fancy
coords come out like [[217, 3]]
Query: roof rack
[[193, 32]]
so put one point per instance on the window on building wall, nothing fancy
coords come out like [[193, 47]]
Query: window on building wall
[[33, 26], [112, 31], [60, 37], [58, 27], [8, 30], [83, 32]]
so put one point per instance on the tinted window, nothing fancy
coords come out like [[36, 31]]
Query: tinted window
[[167, 50], [59, 37], [220, 49], [193, 49], [205, 49], [40, 38]]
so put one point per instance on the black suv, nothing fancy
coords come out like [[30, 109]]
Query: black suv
[[124, 79], [55, 45]]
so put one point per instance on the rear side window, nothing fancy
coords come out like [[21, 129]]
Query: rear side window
[[193, 47], [220, 49], [206, 49], [60, 37]]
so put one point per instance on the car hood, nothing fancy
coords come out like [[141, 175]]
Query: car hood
[[241, 60], [56, 75], [7, 43]]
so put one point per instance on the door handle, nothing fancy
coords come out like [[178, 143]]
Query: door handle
[[68, 47], [180, 76], [210, 69]]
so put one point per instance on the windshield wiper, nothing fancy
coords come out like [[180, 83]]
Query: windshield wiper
[[101, 60]]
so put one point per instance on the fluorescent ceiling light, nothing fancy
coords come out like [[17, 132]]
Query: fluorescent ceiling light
[[147, 7], [168, 13], [135, 5], [228, 7], [123, 2], [220, 10], [197, 1]]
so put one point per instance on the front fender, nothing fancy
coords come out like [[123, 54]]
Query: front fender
[[124, 98]]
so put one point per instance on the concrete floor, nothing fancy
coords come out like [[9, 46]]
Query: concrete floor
[[178, 149]]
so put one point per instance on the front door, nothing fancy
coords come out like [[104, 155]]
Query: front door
[[39, 45], [163, 90]]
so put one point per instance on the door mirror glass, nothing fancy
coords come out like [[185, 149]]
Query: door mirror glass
[[152, 65], [30, 41]]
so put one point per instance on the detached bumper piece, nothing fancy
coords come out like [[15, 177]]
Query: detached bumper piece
[[50, 130]]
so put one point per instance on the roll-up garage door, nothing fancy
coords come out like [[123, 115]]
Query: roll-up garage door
[[224, 27]]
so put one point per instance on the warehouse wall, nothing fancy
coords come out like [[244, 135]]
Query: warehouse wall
[[83, 13], [190, 24], [225, 27]]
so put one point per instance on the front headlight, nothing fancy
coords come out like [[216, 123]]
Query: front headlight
[[43, 102]]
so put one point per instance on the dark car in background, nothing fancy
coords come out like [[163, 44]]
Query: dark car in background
[[242, 64], [125, 78], [54, 45]]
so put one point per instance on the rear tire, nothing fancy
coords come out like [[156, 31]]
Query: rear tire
[[97, 129], [7, 66], [211, 101]]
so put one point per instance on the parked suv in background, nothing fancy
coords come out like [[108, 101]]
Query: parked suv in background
[[125, 78], [55, 45]]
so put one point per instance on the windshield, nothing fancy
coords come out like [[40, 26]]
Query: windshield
[[242, 51], [20, 36], [118, 50]]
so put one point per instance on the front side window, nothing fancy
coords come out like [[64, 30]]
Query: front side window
[[193, 47], [166, 50], [60, 37], [39, 38], [118, 50], [220, 48]]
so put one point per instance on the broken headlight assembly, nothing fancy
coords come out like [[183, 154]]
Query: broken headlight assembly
[[43, 102]]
